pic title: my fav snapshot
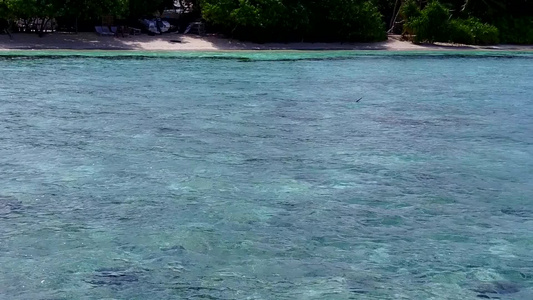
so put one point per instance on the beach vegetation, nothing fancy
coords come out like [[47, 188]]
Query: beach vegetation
[[472, 31], [35, 14], [290, 20], [457, 21], [435, 23], [517, 30]]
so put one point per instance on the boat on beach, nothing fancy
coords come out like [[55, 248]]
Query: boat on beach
[[155, 26]]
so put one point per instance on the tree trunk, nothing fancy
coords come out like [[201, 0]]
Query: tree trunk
[[43, 26], [394, 15], [27, 27], [393, 23]]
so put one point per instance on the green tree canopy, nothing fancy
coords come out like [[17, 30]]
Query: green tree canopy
[[267, 20], [309, 20]]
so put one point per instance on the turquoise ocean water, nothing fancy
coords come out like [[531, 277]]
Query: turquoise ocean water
[[257, 175]]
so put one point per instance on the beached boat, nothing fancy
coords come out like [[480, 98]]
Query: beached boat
[[155, 26]]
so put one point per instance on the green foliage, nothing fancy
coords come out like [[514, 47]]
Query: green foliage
[[219, 12], [410, 10], [434, 24], [285, 20], [512, 18], [430, 25], [461, 21], [483, 33], [26, 9], [356, 21], [249, 19], [141, 8], [4, 11], [31, 10], [472, 31], [516, 30], [461, 32]]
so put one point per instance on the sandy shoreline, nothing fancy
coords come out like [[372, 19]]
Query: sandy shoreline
[[180, 42]]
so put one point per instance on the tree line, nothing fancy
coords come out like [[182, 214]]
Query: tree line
[[462, 21], [74, 11]]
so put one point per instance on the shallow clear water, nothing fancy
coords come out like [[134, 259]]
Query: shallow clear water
[[260, 177]]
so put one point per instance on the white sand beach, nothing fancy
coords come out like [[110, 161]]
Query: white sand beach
[[180, 42]]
